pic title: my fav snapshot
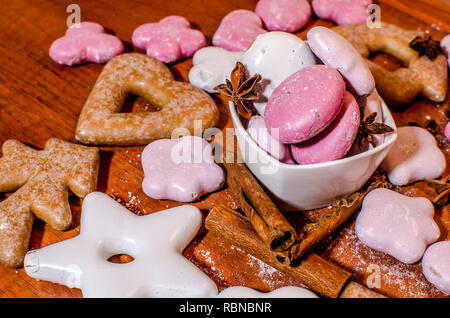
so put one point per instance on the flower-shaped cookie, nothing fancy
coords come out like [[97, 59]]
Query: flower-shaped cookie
[[398, 225], [180, 169], [238, 30], [283, 292], [415, 156], [447, 131], [169, 39], [212, 66], [85, 42], [436, 265], [342, 12], [284, 15]]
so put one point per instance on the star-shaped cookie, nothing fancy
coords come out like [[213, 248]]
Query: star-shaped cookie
[[155, 241]]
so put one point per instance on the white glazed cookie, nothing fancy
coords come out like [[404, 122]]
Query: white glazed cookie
[[415, 156], [155, 241], [212, 66], [338, 53], [284, 292], [396, 224]]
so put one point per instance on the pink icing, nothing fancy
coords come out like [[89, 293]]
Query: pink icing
[[258, 131], [447, 131], [169, 39], [436, 265], [398, 225], [338, 53], [335, 141], [85, 42], [415, 156], [238, 30], [305, 103], [284, 15], [445, 44], [342, 12], [180, 169]]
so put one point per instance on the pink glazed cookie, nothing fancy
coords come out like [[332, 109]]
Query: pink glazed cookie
[[258, 131], [398, 225], [447, 131], [338, 53], [436, 265], [415, 156], [85, 42], [238, 30], [342, 12], [284, 15], [169, 39], [445, 44], [335, 141], [305, 103], [180, 169]]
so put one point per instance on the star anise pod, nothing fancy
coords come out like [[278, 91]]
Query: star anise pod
[[379, 180], [368, 128], [442, 187], [242, 90], [426, 46]]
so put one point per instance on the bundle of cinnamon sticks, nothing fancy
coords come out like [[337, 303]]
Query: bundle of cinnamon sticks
[[264, 232], [271, 225]]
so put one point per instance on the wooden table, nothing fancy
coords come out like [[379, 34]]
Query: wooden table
[[40, 99]]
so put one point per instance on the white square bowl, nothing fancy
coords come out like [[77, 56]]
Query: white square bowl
[[308, 187]]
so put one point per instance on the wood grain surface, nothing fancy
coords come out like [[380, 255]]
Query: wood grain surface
[[40, 99]]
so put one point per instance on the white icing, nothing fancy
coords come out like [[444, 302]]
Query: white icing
[[212, 66], [155, 241]]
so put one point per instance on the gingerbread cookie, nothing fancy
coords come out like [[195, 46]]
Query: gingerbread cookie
[[421, 76], [169, 39], [180, 169], [342, 12], [445, 45], [238, 30], [42, 179], [436, 265], [414, 157], [85, 42], [211, 67], [284, 15], [180, 104], [154, 241], [396, 224], [283, 292]]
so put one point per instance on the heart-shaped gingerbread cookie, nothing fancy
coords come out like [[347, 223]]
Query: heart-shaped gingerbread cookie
[[180, 104]]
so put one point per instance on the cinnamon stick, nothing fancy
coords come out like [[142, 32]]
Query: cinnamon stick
[[314, 233], [318, 274], [272, 227]]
